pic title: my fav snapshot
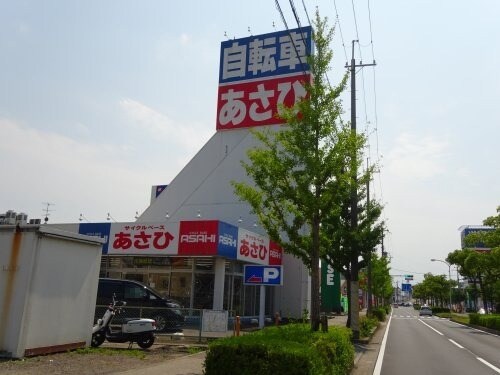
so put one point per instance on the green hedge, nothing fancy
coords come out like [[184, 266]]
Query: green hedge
[[380, 313], [290, 349], [489, 321]]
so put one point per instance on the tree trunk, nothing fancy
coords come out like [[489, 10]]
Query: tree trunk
[[354, 311], [315, 277], [348, 281]]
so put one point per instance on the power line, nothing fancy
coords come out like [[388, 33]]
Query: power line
[[307, 14], [340, 29], [290, 35]]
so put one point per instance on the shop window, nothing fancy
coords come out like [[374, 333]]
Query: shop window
[[203, 291], [180, 287]]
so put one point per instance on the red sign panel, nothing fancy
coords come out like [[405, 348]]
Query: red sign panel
[[275, 254], [198, 237], [256, 103]]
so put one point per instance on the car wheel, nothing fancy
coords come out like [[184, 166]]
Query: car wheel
[[161, 322], [146, 341], [97, 339]]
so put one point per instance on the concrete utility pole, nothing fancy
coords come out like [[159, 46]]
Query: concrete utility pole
[[369, 306], [354, 308]]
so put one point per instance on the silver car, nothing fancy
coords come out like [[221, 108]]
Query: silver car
[[425, 310]]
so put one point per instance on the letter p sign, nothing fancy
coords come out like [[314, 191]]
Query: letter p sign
[[263, 275], [271, 276]]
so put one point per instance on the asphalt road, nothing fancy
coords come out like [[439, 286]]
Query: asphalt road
[[431, 345]]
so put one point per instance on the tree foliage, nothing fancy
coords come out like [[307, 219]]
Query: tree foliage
[[301, 172], [434, 289], [482, 267]]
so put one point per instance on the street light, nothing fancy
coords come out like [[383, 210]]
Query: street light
[[449, 273]]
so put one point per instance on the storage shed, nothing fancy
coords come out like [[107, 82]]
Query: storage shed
[[48, 287]]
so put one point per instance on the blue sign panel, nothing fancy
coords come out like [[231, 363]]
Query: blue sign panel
[[406, 287], [97, 229], [227, 241], [266, 55], [469, 230], [263, 275]]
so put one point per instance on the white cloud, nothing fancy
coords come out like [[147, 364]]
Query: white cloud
[[184, 39], [417, 158], [162, 128], [77, 177]]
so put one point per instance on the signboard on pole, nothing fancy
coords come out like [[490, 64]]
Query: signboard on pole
[[260, 73], [330, 288], [263, 275], [406, 287]]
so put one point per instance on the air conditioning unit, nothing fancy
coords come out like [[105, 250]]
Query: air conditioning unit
[[10, 217], [21, 218]]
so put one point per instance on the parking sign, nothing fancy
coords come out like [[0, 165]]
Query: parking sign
[[263, 275]]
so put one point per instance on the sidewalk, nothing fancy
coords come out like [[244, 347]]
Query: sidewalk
[[364, 361]]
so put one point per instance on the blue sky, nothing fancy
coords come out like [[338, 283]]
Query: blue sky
[[100, 100]]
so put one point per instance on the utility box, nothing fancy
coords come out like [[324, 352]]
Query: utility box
[[48, 289]]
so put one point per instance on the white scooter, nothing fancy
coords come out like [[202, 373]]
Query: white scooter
[[138, 330]]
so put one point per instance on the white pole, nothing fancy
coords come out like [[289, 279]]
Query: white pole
[[262, 306]]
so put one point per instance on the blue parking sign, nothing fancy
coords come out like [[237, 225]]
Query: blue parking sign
[[263, 275]]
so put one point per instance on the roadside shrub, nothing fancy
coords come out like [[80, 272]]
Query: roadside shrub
[[417, 306], [367, 326], [489, 321], [379, 313], [387, 309], [291, 349], [438, 310]]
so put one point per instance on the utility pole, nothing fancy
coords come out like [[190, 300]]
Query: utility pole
[[369, 306], [355, 251]]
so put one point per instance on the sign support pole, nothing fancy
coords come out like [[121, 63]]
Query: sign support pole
[[262, 305]]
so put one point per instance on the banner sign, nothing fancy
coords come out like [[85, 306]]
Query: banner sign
[[252, 247], [330, 289], [143, 239], [97, 230], [187, 238], [263, 275], [259, 73], [265, 55], [198, 237], [228, 240]]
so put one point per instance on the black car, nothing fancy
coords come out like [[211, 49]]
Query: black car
[[142, 301]]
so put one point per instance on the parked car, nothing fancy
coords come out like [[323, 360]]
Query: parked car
[[142, 301], [425, 310]]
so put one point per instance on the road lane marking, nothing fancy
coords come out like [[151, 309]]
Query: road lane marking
[[434, 329], [489, 365], [456, 343], [380, 358]]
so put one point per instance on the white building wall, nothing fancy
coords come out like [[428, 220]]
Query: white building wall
[[204, 186]]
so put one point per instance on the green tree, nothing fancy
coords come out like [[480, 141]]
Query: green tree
[[482, 267], [381, 279], [301, 172], [434, 289]]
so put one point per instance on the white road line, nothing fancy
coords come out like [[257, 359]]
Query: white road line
[[421, 321], [489, 365], [380, 358], [456, 343]]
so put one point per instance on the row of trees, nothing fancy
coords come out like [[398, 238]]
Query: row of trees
[[482, 268], [434, 289], [307, 191]]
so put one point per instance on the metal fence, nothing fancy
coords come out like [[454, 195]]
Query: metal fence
[[173, 321]]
